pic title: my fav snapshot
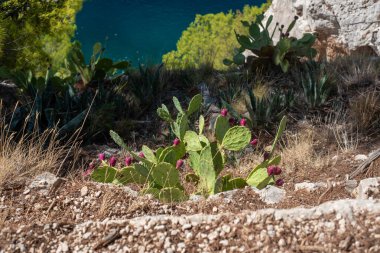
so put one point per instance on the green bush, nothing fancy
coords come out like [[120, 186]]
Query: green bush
[[38, 33], [210, 38]]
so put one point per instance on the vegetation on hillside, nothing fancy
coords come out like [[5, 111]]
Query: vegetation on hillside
[[38, 33], [210, 39]]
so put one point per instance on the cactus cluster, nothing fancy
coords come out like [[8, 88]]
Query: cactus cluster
[[260, 43], [159, 171]]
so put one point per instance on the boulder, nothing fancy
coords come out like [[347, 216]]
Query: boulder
[[342, 26], [368, 188]]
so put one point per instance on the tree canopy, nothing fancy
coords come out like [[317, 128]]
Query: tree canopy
[[210, 38], [37, 33]]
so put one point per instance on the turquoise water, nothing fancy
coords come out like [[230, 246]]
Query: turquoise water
[[143, 30]]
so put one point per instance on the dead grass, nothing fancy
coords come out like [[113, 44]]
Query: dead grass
[[300, 153], [353, 72], [365, 111], [29, 154]]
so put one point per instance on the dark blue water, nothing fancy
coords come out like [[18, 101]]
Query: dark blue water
[[143, 30]]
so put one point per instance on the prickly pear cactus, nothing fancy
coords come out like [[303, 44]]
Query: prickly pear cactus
[[236, 138], [104, 174], [165, 175], [171, 194], [221, 127]]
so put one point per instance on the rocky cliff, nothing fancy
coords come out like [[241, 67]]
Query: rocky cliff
[[342, 26]]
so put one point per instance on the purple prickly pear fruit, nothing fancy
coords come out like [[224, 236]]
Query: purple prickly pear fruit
[[224, 112], [128, 161], [179, 164], [176, 142], [280, 182], [271, 170], [113, 161], [254, 142], [101, 156], [243, 122], [141, 154]]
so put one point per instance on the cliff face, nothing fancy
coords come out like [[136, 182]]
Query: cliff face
[[342, 26]]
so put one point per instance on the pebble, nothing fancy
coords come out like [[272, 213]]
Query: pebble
[[84, 191]]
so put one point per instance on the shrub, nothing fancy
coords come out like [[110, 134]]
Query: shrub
[[158, 170], [209, 39], [38, 33]]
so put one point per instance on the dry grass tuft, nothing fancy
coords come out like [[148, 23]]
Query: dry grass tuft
[[353, 72], [365, 111], [29, 154], [300, 151]]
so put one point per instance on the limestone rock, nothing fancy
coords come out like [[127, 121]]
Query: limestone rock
[[368, 188], [43, 181], [310, 187], [271, 194], [342, 27]]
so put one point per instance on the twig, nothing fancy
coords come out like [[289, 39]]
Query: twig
[[108, 240], [312, 248], [329, 188], [362, 168]]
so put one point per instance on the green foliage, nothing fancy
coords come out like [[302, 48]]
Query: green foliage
[[259, 176], [315, 84], [99, 68], [207, 157], [146, 84], [269, 109], [209, 39], [38, 33], [259, 42]]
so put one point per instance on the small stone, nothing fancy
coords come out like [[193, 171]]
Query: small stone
[[84, 191], [186, 226], [63, 247], [26, 191], [214, 209], [310, 187], [281, 242], [361, 157], [97, 194]]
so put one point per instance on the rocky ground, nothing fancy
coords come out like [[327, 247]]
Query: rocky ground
[[318, 211], [50, 214]]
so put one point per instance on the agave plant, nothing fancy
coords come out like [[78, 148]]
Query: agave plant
[[315, 84]]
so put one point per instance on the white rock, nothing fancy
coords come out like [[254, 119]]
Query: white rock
[[342, 26], [361, 157], [271, 194], [44, 180], [368, 188], [84, 191], [63, 247], [310, 187]]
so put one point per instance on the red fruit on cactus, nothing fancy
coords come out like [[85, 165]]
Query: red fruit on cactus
[[280, 182], [232, 121], [243, 122], [271, 170], [141, 154], [179, 164], [176, 142], [224, 112], [113, 161], [254, 142], [128, 161], [277, 171], [102, 156]]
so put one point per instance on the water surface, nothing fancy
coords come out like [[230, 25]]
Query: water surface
[[143, 30]]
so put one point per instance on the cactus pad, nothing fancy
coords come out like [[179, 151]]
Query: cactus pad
[[165, 175], [236, 138]]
